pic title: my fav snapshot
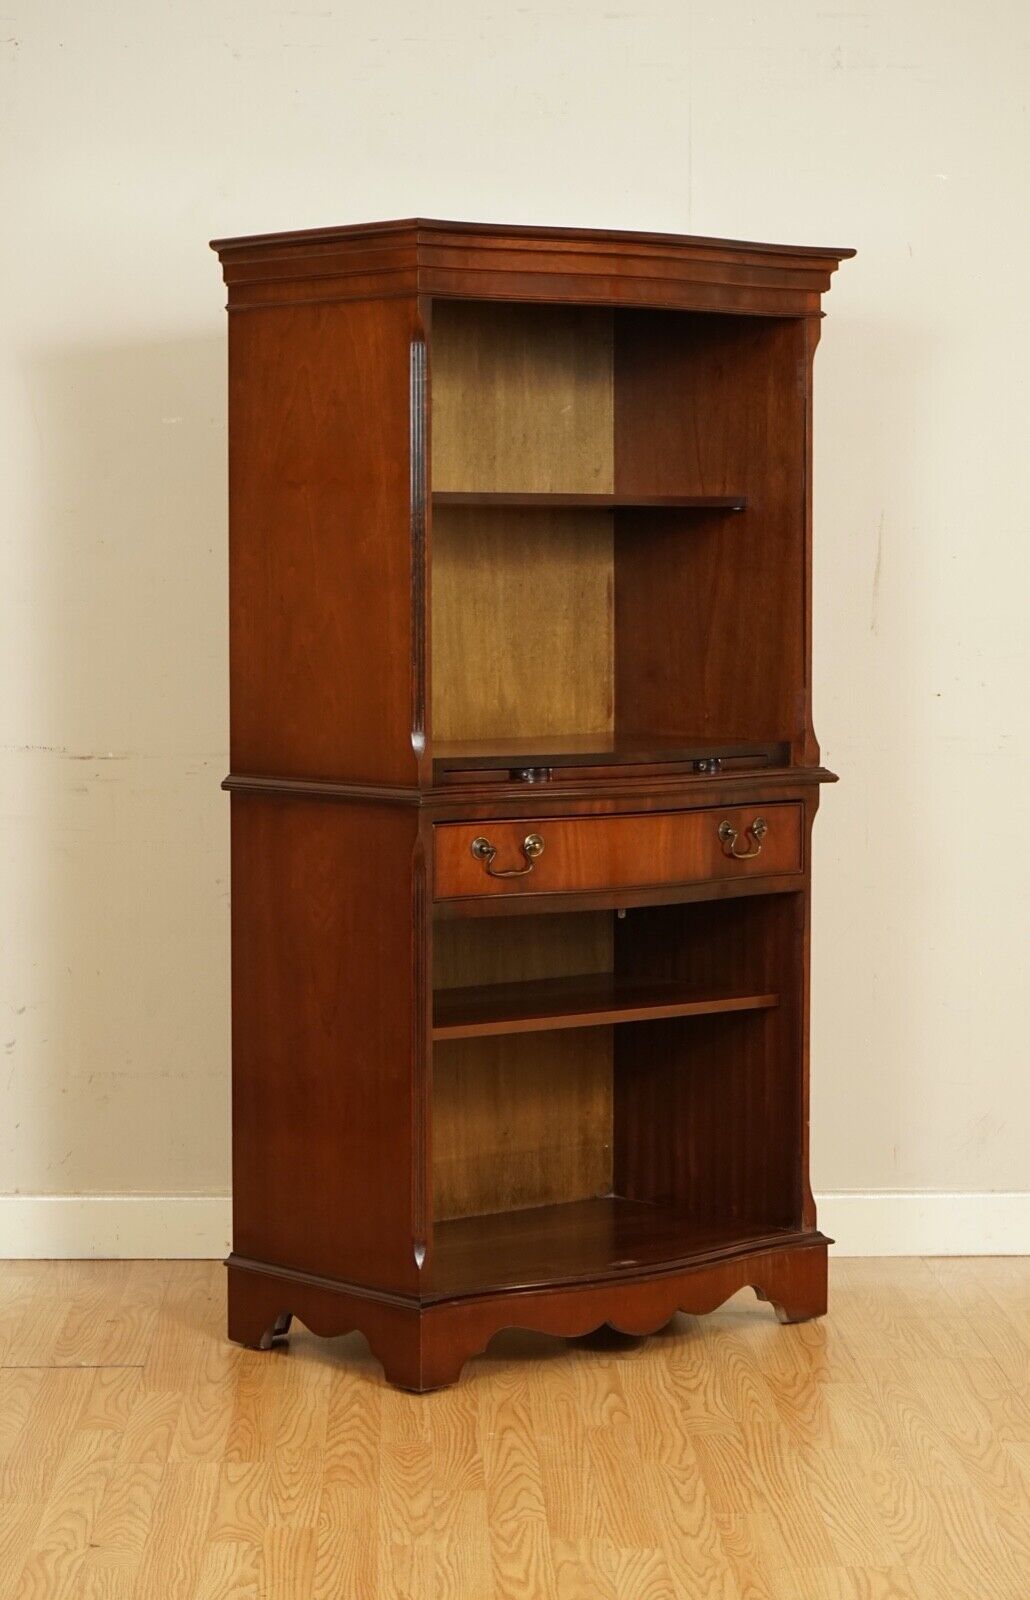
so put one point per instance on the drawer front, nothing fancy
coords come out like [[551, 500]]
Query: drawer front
[[624, 852]]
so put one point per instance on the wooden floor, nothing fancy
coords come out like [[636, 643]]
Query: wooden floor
[[883, 1452]]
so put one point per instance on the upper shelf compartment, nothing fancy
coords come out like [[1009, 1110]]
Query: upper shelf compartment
[[618, 550], [501, 499]]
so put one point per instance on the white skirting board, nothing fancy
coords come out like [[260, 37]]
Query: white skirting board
[[196, 1227], [124, 1227], [927, 1222]]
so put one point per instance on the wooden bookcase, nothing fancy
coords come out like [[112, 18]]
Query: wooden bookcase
[[523, 781]]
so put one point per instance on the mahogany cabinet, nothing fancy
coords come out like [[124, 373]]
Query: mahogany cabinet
[[523, 781]]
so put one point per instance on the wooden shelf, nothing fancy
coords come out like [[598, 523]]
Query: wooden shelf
[[601, 749], [588, 1001], [487, 498], [581, 1239]]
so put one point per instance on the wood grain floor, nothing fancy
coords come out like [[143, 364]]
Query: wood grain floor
[[882, 1454]]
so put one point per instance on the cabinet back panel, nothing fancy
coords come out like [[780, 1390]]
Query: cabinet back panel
[[521, 397], [521, 623], [517, 949], [523, 1120]]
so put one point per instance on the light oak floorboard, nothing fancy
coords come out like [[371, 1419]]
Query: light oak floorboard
[[882, 1453]]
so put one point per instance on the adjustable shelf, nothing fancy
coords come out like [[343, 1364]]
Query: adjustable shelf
[[589, 1000], [501, 499]]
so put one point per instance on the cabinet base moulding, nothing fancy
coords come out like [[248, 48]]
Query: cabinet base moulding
[[424, 1345]]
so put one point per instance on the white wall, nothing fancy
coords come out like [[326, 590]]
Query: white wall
[[130, 133]]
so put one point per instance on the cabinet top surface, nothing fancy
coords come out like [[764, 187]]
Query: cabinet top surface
[[423, 230], [491, 260]]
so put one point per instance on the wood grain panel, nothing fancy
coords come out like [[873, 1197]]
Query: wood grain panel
[[522, 641], [322, 1053], [521, 397], [319, 542]]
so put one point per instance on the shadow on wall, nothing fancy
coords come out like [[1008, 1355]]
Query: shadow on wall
[[116, 1077]]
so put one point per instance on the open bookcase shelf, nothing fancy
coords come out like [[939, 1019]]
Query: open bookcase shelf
[[582, 1239], [524, 777], [586, 1000], [615, 570]]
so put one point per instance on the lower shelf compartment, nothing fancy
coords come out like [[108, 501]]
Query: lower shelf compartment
[[577, 1241]]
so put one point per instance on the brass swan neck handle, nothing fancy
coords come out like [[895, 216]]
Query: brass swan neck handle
[[729, 836], [484, 851]]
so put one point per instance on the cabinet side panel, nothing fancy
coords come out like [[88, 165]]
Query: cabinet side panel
[[320, 565], [324, 931]]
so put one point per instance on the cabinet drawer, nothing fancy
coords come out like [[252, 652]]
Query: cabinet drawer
[[568, 855]]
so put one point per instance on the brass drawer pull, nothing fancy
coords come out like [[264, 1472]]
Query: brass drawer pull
[[484, 851], [728, 834]]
